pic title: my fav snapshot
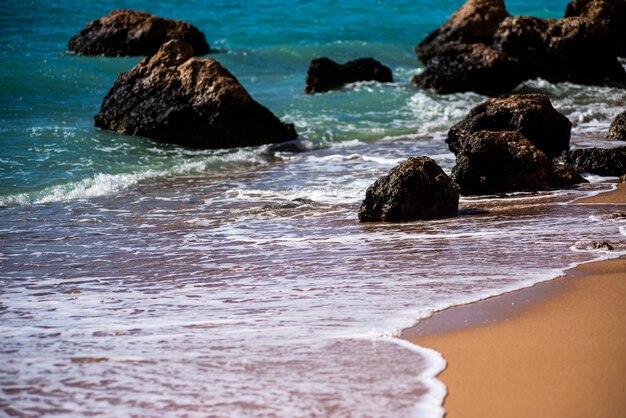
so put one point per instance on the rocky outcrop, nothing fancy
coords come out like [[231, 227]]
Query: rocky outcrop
[[579, 48], [609, 16], [175, 98], [601, 161], [532, 115], [129, 32], [569, 49], [325, 74], [475, 22], [470, 67], [416, 189], [505, 161], [617, 130]]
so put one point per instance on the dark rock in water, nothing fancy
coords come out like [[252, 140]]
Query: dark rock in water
[[175, 98], [602, 245], [128, 32], [566, 175], [617, 130], [470, 67], [505, 161], [569, 49], [416, 189], [600, 161], [325, 74], [609, 16], [530, 114], [475, 22]]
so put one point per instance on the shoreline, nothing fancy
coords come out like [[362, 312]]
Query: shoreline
[[554, 349]]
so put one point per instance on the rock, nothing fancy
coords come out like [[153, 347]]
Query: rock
[[128, 32], [475, 22], [470, 67], [503, 161], [530, 114], [608, 15], [569, 49], [617, 130], [325, 74], [416, 189], [600, 161], [175, 98], [602, 245]]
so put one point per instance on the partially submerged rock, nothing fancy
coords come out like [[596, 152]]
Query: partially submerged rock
[[600, 161], [325, 74], [175, 98], [569, 49], [532, 115], [504, 161], [475, 22], [470, 67], [617, 130], [416, 189], [129, 32], [608, 15]]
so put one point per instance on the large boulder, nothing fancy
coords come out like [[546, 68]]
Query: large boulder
[[494, 162], [475, 22], [617, 130], [570, 49], [600, 161], [325, 74], [176, 98], [530, 114], [470, 67], [129, 32], [608, 15], [416, 189]]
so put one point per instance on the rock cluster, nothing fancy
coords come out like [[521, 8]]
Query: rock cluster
[[416, 189], [508, 144], [176, 98], [325, 74], [532, 115], [482, 43], [129, 32]]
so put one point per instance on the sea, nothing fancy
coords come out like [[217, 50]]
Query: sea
[[148, 280]]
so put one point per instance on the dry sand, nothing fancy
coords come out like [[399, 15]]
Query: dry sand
[[557, 349]]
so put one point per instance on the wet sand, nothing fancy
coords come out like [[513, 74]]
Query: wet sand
[[557, 349]]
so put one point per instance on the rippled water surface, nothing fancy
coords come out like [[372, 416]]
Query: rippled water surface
[[139, 279]]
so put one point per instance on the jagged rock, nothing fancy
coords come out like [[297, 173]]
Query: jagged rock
[[617, 130], [470, 67], [175, 98], [504, 161], [325, 74], [416, 189], [569, 49], [129, 32], [475, 22], [601, 161], [530, 114], [608, 15], [602, 245]]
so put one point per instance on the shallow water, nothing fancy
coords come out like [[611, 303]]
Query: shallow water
[[148, 280]]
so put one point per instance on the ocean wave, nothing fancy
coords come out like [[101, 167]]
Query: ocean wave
[[106, 183]]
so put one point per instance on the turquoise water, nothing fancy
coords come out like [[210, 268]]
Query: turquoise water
[[48, 97], [139, 279]]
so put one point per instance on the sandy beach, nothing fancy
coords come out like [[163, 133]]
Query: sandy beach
[[553, 350]]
